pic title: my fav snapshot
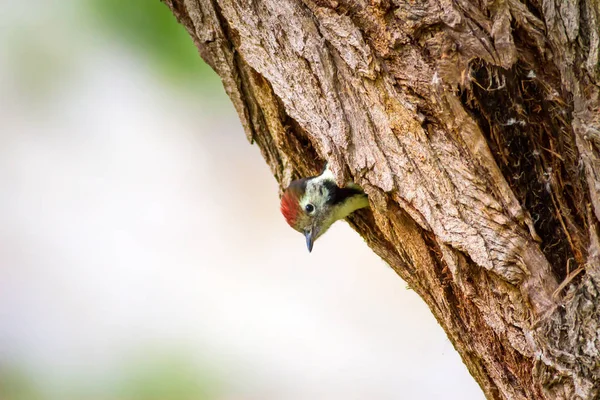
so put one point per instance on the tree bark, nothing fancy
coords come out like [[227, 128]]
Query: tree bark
[[474, 127]]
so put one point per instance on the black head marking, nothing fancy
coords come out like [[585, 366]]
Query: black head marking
[[338, 195]]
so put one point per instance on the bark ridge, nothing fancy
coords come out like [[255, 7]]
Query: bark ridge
[[474, 127]]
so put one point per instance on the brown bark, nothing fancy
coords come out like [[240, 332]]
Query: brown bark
[[474, 127]]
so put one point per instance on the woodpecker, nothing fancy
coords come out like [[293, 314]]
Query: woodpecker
[[311, 205]]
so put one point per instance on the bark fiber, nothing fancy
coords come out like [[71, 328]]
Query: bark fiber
[[474, 127]]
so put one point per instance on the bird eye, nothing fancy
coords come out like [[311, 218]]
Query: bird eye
[[309, 208]]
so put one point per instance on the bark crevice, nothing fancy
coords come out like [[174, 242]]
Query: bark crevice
[[475, 130]]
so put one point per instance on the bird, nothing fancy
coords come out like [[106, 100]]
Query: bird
[[311, 205]]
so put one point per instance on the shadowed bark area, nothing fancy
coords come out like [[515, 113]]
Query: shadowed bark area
[[474, 127]]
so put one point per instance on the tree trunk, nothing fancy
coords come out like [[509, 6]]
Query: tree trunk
[[474, 127]]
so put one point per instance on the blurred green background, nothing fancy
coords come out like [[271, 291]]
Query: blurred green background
[[142, 253], [150, 29]]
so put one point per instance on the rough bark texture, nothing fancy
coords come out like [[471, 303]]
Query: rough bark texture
[[474, 127]]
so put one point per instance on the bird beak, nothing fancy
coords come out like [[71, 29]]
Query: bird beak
[[309, 239]]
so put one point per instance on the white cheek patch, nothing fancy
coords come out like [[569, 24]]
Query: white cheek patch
[[316, 194]]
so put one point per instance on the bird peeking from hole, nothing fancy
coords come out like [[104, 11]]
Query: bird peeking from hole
[[311, 205]]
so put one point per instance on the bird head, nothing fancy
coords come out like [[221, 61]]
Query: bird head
[[312, 205]]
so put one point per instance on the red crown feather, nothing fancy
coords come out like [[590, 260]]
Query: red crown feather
[[290, 201], [290, 206]]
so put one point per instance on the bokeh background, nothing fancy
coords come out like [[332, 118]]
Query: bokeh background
[[142, 253]]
